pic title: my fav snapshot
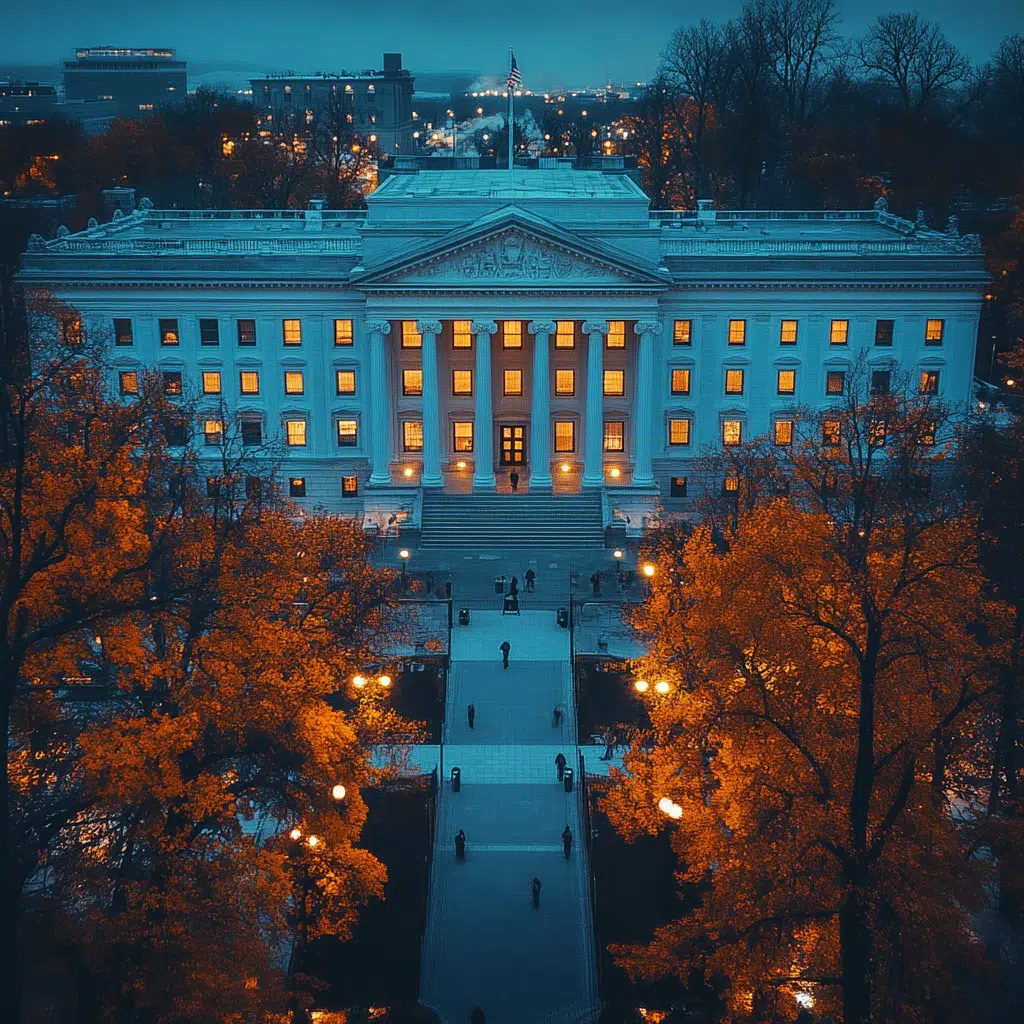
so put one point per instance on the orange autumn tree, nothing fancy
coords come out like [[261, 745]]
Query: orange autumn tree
[[820, 634]]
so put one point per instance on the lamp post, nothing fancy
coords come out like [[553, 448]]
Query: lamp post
[[618, 566], [299, 851]]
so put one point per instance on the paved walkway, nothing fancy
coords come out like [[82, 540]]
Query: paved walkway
[[485, 944]]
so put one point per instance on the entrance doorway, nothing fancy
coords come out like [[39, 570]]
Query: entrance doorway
[[513, 444]]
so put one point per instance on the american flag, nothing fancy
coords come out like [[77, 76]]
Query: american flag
[[514, 78]]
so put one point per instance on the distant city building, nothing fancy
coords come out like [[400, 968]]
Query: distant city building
[[26, 102], [379, 102], [137, 80]]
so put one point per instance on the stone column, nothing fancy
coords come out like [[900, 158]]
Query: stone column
[[593, 468], [646, 331], [483, 426], [540, 407], [380, 405], [429, 330]]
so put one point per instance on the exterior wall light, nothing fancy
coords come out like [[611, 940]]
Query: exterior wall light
[[565, 467], [407, 472]]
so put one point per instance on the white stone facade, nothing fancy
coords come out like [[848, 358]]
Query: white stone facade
[[462, 326]]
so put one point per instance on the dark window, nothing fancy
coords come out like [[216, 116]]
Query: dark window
[[172, 382], [123, 331], [678, 487], [246, 332], [175, 487], [880, 382], [883, 331], [252, 432], [835, 380], [174, 431], [209, 332], [253, 488], [921, 486], [212, 486], [297, 487], [169, 332]]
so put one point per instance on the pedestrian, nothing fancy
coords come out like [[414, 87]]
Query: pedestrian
[[471, 715], [609, 745], [535, 889], [460, 845], [505, 649], [556, 716], [513, 590], [560, 765], [430, 582], [567, 841], [595, 582], [513, 479], [531, 577], [476, 1016]]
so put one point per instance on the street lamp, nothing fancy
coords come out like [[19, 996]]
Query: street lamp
[[641, 686], [338, 792], [667, 806], [404, 556], [661, 687], [618, 565], [359, 682], [384, 681], [313, 841], [295, 834], [649, 569]]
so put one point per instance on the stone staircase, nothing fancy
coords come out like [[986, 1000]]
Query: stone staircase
[[504, 521]]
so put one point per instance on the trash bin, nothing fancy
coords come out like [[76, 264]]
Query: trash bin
[[463, 616], [562, 618], [457, 780], [566, 779], [499, 584]]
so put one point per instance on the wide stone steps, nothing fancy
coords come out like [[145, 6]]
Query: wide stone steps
[[536, 520]]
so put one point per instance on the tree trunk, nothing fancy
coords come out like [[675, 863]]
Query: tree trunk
[[855, 953], [10, 880]]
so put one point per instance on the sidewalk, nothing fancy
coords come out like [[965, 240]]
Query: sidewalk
[[485, 944]]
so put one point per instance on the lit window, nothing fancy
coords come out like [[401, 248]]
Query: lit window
[[787, 382], [614, 436], [209, 332], [835, 382], [926, 435], [348, 433], [252, 432], [295, 433], [253, 491], [678, 431], [737, 332], [412, 435], [880, 382], [933, 332], [839, 332], [411, 338], [297, 487], [213, 430], [565, 334], [249, 382], [343, 332], [246, 332], [512, 335], [291, 331], [129, 382], [513, 382], [616, 334], [677, 487], [71, 330], [565, 382], [783, 431], [614, 382], [732, 432], [462, 382], [211, 382], [168, 332], [787, 332], [462, 334], [731, 485], [345, 382], [565, 436], [682, 332], [293, 382], [172, 382], [412, 382], [876, 433], [734, 382], [831, 432], [462, 435], [680, 382], [123, 332], [349, 486], [884, 331], [929, 384]]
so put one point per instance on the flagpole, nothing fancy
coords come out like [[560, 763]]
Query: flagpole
[[511, 126]]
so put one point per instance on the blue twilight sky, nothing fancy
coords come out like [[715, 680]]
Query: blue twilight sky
[[568, 43]]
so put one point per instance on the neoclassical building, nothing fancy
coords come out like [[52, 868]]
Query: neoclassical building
[[464, 325]]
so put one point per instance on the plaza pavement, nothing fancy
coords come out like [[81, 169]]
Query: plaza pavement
[[485, 944]]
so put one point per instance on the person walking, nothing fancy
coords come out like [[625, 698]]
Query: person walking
[[595, 583], [513, 590], [505, 649], [476, 1016], [556, 716], [535, 889], [460, 845], [560, 765], [567, 841], [471, 715], [513, 479], [531, 577]]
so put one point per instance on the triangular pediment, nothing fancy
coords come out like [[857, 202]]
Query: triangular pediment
[[512, 249]]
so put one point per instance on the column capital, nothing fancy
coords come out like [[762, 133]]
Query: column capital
[[542, 327], [648, 327], [429, 327], [595, 327], [483, 327], [379, 326]]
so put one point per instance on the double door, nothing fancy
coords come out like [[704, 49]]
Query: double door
[[513, 444]]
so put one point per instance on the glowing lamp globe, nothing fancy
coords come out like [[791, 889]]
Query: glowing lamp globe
[[641, 686], [338, 792]]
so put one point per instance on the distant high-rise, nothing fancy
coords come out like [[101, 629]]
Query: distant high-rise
[[379, 103], [138, 80]]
